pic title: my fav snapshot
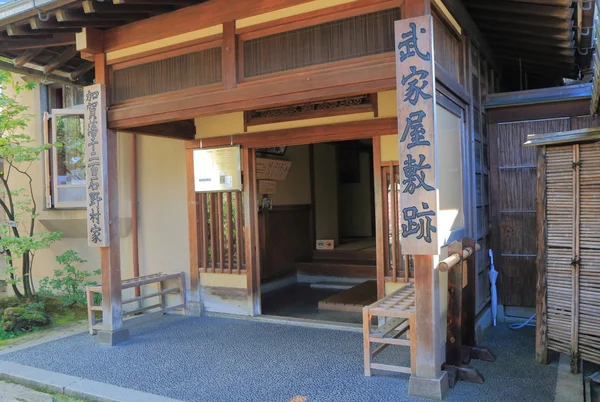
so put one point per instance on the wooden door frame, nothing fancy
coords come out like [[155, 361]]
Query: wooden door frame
[[371, 128], [469, 190], [319, 134]]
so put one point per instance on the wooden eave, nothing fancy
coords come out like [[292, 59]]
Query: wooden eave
[[545, 38], [23, 35], [565, 137]]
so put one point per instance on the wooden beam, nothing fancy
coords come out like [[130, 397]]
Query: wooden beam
[[547, 34], [306, 135], [27, 56], [52, 41], [156, 2], [91, 6], [521, 40], [334, 83], [189, 19], [537, 60], [558, 3], [182, 130], [529, 51], [30, 71], [36, 24], [229, 51], [79, 71], [562, 13], [416, 8], [90, 41], [481, 18], [60, 59], [19, 30], [80, 16]]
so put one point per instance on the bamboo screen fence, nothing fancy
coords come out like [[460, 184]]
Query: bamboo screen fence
[[572, 250]]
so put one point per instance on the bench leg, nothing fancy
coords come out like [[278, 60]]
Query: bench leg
[[91, 314], [182, 292], [367, 342], [412, 334], [161, 287]]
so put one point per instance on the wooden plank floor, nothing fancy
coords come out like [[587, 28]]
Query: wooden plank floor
[[353, 299]]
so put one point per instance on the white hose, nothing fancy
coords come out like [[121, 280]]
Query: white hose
[[525, 324]]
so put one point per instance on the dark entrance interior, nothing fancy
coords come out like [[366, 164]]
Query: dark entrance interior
[[317, 232]]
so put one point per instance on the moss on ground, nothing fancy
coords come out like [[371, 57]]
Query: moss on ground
[[34, 312]]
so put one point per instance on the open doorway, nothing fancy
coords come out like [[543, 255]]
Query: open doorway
[[317, 232]]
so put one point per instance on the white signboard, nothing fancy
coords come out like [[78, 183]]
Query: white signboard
[[415, 91], [95, 157], [217, 169]]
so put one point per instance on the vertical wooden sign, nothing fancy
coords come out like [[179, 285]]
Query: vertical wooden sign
[[415, 89], [95, 169]]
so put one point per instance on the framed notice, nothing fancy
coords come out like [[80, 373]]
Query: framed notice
[[217, 169], [272, 169], [96, 180], [415, 91]]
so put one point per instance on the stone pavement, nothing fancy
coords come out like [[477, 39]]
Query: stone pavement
[[219, 359]]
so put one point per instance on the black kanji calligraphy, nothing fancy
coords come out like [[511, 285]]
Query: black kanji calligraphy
[[414, 128], [409, 46], [416, 85], [419, 223], [415, 174]]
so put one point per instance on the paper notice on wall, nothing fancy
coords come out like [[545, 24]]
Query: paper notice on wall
[[267, 187], [272, 169], [217, 169]]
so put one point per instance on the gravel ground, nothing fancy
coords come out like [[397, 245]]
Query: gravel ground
[[218, 359]]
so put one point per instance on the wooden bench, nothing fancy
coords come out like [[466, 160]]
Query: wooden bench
[[399, 310], [160, 294]]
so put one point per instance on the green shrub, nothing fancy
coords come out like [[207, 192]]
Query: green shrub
[[24, 319], [68, 283]]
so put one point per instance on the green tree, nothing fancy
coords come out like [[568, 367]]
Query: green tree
[[19, 240]]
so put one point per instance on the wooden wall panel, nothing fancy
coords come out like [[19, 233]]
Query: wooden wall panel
[[174, 73], [285, 234], [518, 281], [513, 183], [448, 49], [350, 38]]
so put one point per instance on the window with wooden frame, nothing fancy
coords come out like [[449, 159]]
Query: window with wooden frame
[[65, 162], [184, 68], [343, 39]]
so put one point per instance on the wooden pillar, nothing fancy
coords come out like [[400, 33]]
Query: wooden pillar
[[251, 229], [380, 229], [194, 305], [110, 257], [428, 380], [541, 328]]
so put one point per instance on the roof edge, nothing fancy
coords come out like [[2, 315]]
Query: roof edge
[[564, 137], [536, 96]]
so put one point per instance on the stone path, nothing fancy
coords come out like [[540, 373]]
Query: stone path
[[17, 393]]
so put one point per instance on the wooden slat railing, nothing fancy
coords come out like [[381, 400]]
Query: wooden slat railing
[[221, 232], [397, 268]]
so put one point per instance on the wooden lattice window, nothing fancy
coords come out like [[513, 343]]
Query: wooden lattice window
[[221, 232], [349, 38], [397, 267], [166, 75]]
